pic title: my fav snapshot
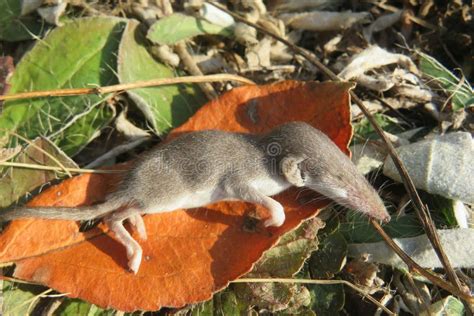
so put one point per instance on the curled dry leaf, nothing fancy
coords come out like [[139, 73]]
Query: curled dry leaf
[[258, 56], [381, 23], [323, 20], [301, 5], [8, 153], [374, 57], [166, 55], [378, 83], [245, 34], [215, 15], [191, 254], [412, 293], [364, 273], [442, 165], [52, 14], [456, 242], [129, 131]]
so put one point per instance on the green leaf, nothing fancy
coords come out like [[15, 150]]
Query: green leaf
[[79, 54], [73, 307], [19, 299], [13, 26], [327, 299], [462, 94], [288, 256], [448, 306], [329, 258], [283, 260], [358, 230], [274, 296], [443, 209], [227, 303], [364, 129], [15, 182], [223, 303], [166, 106], [176, 27]]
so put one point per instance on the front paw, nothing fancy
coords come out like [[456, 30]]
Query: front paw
[[134, 260], [275, 221]]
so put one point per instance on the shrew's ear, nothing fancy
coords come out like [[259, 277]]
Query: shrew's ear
[[291, 169]]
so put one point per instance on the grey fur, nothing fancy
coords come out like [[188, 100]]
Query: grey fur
[[71, 213], [203, 167]]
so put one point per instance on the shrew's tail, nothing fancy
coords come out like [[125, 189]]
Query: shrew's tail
[[71, 213]]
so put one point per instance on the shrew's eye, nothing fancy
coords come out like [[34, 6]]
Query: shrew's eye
[[303, 172]]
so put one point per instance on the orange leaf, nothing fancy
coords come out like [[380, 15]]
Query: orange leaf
[[190, 254]]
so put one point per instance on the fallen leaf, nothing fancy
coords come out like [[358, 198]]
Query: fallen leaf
[[14, 26], [440, 165], [82, 53], [189, 255], [459, 90], [177, 27], [321, 21], [288, 256], [330, 257], [223, 303], [357, 229], [282, 261], [16, 182], [164, 107], [8, 153], [327, 299], [456, 242], [19, 299], [446, 306], [274, 297]]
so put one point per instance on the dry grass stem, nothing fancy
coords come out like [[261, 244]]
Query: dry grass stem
[[53, 168], [126, 86], [422, 212]]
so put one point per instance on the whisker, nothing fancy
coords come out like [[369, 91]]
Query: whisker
[[316, 199]]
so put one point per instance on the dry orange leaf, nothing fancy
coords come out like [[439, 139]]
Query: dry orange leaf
[[190, 254]]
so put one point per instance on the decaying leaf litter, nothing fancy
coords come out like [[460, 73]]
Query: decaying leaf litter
[[412, 64]]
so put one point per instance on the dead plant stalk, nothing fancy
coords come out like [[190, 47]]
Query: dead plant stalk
[[126, 86], [422, 212]]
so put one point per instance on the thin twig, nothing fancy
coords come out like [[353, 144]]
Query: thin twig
[[126, 86], [191, 66], [43, 151], [53, 168], [421, 299], [114, 152], [418, 269], [414, 19], [422, 212], [321, 282], [389, 106]]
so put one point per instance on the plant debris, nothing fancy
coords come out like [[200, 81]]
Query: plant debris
[[411, 62]]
